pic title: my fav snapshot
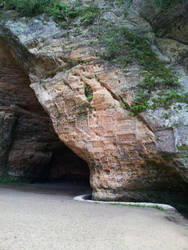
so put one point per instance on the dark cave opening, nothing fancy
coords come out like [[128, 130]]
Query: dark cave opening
[[67, 166]]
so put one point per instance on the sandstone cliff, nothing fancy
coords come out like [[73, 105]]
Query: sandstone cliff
[[89, 94]]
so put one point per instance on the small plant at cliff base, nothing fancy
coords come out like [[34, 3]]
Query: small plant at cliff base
[[88, 92], [9, 181], [125, 47], [141, 205], [61, 11]]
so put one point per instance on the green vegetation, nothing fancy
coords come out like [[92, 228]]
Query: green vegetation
[[61, 11], [10, 181], [124, 48], [44, 84], [166, 99], [140, 205], [89, 14], [122, 104], [182, 147], [119, 2], [88, 92], [27, 8]]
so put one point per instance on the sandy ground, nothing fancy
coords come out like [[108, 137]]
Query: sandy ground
[[45, 217]]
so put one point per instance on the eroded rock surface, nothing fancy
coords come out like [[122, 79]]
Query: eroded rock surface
[[123, 152], [115, 145]]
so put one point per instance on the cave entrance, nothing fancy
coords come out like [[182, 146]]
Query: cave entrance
[[67, 166]]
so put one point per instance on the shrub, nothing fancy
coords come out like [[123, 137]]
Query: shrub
[[88, 92], [28, 8], [59, 10]]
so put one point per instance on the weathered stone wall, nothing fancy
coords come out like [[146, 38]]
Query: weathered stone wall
[[119, 149], [7, 123], [170, 20]]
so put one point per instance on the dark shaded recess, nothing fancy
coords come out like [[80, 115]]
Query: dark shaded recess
[[175, 198], [65, 165]]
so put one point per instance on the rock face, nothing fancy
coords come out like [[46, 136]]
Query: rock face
[[169, 18], [88, 101], [7, 122], [115, 145]]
